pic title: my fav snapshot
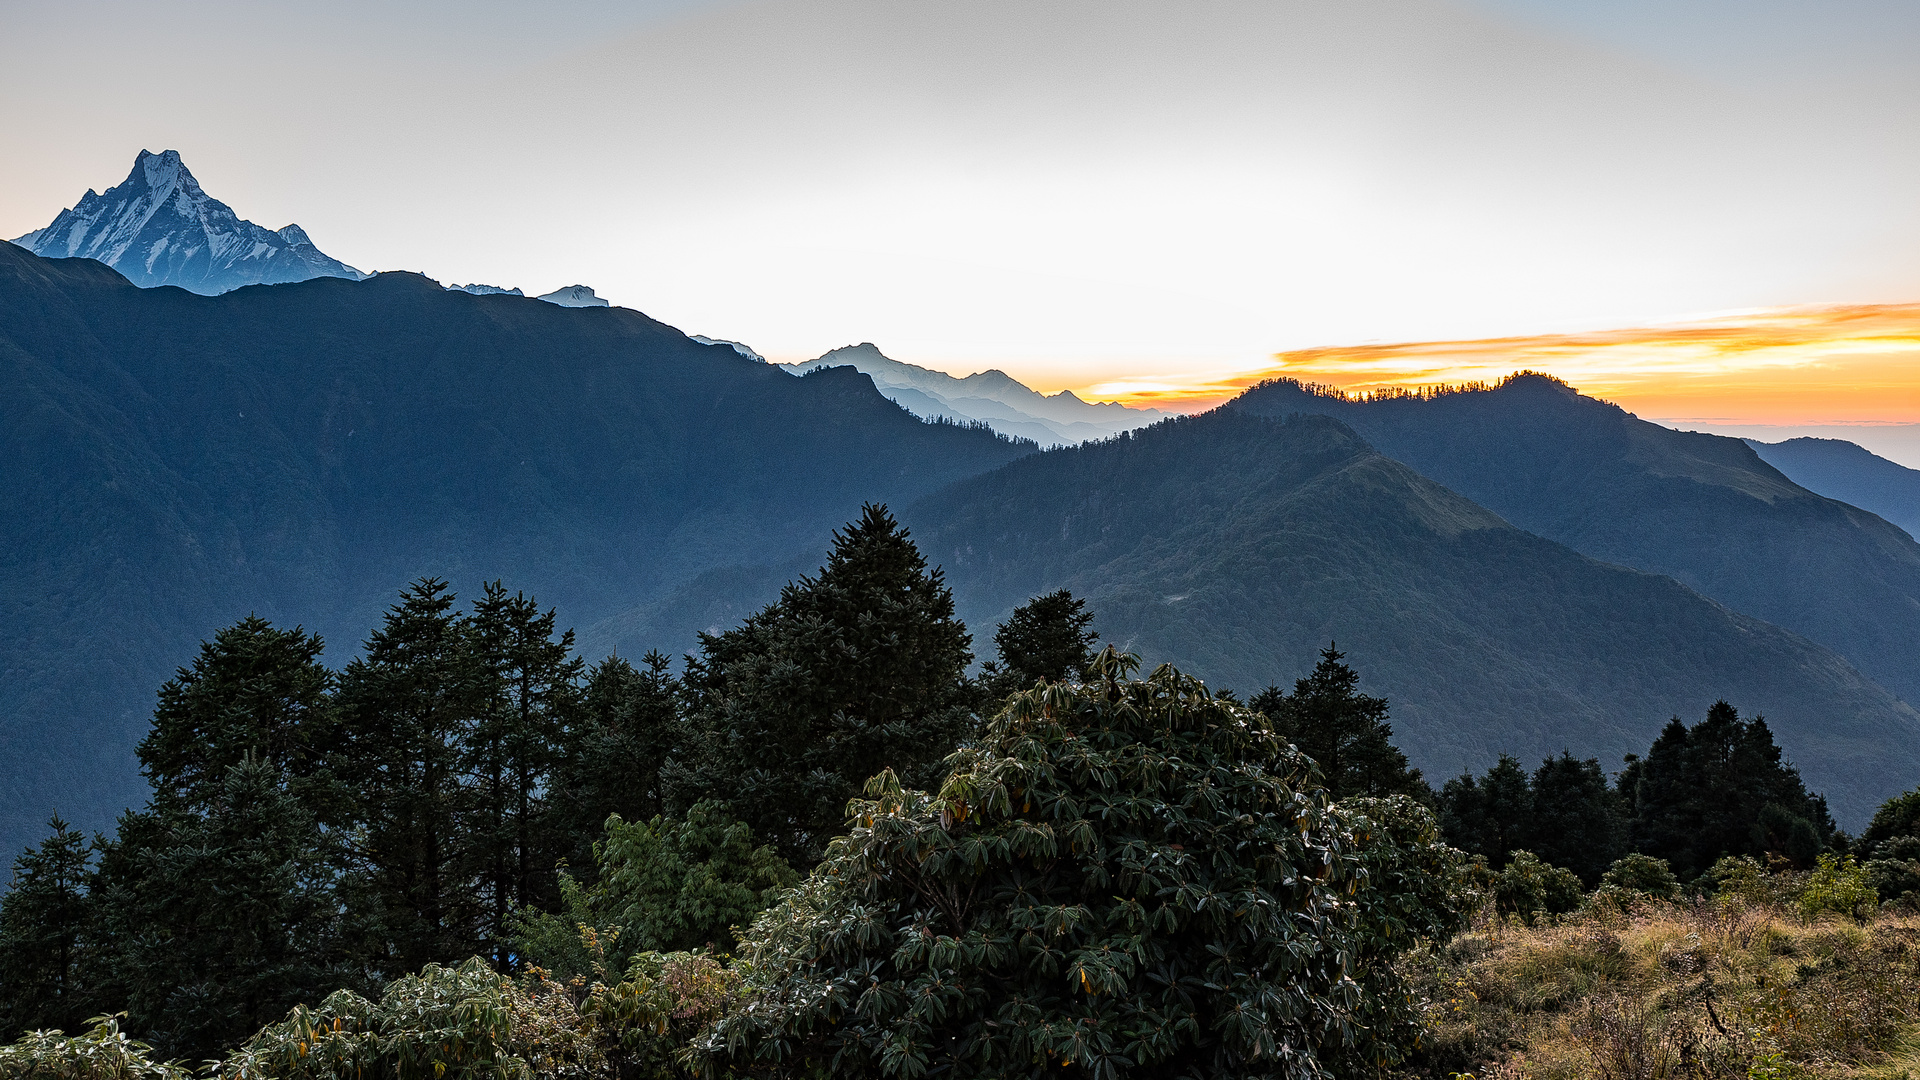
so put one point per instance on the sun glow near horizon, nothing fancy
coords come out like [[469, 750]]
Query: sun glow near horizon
[[1815, 364]]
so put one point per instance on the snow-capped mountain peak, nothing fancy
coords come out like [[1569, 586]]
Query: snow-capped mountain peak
[[992, 397], [573, 296], [158, 227]]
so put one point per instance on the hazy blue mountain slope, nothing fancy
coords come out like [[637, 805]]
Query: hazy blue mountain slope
[[174, 461], [1851, 473], [1704, 509], [157, 227], [1235, 546], [993, 397]]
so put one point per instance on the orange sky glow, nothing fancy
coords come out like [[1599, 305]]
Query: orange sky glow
[[1828, 364]]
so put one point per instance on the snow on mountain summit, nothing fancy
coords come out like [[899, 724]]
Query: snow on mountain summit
[[573, 296], [157, 227]]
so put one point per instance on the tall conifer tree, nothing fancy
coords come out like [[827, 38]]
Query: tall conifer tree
[[48, 924], [628, 724], [1343, 730], [856, 670], [512, 752], [409, 706]]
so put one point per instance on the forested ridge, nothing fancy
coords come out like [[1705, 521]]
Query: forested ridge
[[302, 451], [823, 845], [1236, 546]]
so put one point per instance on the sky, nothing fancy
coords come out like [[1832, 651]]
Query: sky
[[1146, 200]]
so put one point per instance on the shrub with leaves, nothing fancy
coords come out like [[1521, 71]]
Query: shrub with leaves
[[1125, 877], [1838, 885], [460, 1023], [103, 1052], [663, 1002], [1529, 888]]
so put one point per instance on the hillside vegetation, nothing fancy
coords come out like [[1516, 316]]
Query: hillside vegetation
[[1704, 509], [301, 451], [1237, 546]]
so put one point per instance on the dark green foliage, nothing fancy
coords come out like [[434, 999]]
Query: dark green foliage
[[1898, 816], [1565, 813], [1642, 875], [1577, 821], [216, 919], [1891, 847], [679, 885], [1529, 887], [1490, 815], [47, 923], [408, 706], [1720, 788], [1121, 878], [1049, 637], [852, 672], [514, 747], [254, 691], [661, 886], [1344, 731], [629, 721]]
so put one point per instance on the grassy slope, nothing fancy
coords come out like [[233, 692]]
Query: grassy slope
[[1626, 995], [1235, 546]]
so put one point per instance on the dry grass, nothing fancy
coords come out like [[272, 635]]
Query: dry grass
[[1675, 991]]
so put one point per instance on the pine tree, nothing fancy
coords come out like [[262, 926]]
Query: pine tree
[[220, 916], [1576, 821], [1344, 731], [48, 922], [253, 691], [409, 706], [1489, 816], [1050, 637], [1721, 787], [628, 724], [511, 755], [851, 672]]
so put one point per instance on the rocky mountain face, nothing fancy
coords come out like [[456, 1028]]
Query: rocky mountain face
[[158, 227], [991, 397]]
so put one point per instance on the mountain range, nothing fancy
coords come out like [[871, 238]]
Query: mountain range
[[303, 450], [157, 227], [1519, 569], [1703, 509], [990, 397], [1237, 545], [1851, 473]]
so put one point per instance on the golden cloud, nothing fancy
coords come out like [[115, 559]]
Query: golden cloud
[[1852, 363]]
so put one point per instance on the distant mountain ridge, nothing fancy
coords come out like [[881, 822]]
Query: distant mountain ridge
[[1704, 509], [992, 397], [301, 451], [1851, 473], [1236, 545], [157, 227]]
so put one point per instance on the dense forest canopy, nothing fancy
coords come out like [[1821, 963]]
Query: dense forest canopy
[[823, 844]]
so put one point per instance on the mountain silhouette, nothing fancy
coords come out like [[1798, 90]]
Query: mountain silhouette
[[176, 461], [1235, 546], [1851, 473], [1705, 509]]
